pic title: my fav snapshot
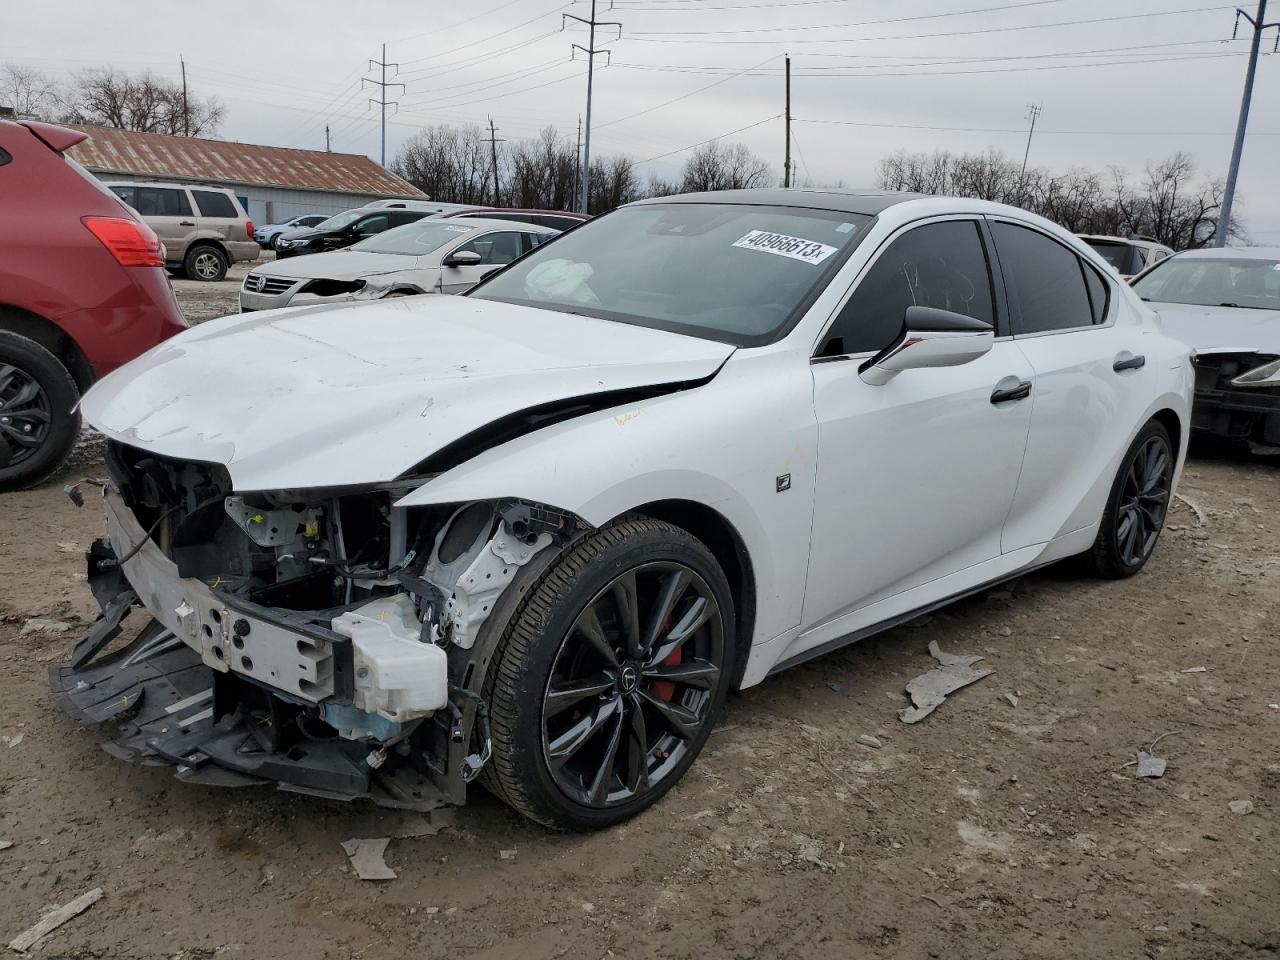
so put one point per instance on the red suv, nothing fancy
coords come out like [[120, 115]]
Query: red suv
[[82, 291]]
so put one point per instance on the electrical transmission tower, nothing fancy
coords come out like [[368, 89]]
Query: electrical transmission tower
[[1259, 24], [382, 100], [591, 51], [493, 142]]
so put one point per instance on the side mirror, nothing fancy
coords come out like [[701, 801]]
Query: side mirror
[[462, 258], [930, 338]]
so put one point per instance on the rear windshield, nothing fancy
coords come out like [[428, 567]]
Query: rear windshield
[[1124, 257], [735, 273], [340, 220], [1213, 282], [414, 239]]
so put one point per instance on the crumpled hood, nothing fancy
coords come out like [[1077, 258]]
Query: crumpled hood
[[1237, 329], [339, 265], [351, 394]]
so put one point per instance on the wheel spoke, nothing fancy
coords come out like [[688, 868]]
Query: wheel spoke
[[598, 792], [20, 437], [1156, 468], [639, 746], [26, 393], [588, 627], [699, 612], [677, 718], [702, 674], [563, 747], [627, 601], [563, 696], [673, 588]]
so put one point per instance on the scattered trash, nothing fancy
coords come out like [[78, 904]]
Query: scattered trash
[[1274, 706], [869, 741], [1196, 670], [54, 919], [416, 825], [5, 844], [1150, 767], [1241, 807], [367, 858], [1006, 632], [68, 547], [929, 690], [1195, 508], [506, 854], [41, 625], [835, 687], [1013, 700], [14, 740]]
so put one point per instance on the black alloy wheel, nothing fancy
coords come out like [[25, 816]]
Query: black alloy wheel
[[39, 422], [25, 416], [632, 685], [1136, 509]]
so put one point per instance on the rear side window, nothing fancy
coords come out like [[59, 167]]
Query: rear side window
[[937, 265], [161, 202], [1045, 281], [128, 194], [214, 204], [400, 218], [555, 223], [1099, 292], [4, 156]]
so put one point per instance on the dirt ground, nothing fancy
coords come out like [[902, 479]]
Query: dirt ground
[[1009, 824]]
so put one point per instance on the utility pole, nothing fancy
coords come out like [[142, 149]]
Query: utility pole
[[1259, 24], [186, 113], [493, 142], [383, 102], [591, 51], [577, 158], [1033, 111], [786, 162], [326, 138]]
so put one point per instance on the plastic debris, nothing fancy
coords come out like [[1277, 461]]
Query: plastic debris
[[506, 854], [869, 741], [1240, 807], [367, 858], [54, 919], [1150, 767], [1013, 700], [14, 740], [1196, 670], [42, 625], [929, 690], [5, 844], [834, 687]]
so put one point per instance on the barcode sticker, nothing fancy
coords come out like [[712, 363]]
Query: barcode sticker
[[797, 248]]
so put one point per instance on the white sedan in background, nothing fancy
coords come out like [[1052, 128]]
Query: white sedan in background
[[428, 256], [541, 530]]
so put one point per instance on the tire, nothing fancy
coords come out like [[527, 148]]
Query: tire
[[205, 262], [546, 764], [274, 242], [1136, 506], [38, 420]]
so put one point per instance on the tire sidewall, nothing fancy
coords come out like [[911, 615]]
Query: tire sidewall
[[189, 264], [56, 382], [527, 754], [1112, 518]]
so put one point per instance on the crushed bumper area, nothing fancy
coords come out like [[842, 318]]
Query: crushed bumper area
[[167, 705], [1249, 416]]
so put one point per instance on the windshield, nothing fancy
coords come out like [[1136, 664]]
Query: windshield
[[1124, 257], [1213, 282], [413, 239], [735, 273], [340, 220]]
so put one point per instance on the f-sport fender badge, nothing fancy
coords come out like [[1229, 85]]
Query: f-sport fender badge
[[784, 483]]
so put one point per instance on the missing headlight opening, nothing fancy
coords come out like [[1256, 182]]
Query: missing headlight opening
[[324, 640]]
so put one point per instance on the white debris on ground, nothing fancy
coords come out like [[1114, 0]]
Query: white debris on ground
[[1150, 767], [367, 858], [1240, 807], [43, 625], [929, 690], [54, 919]]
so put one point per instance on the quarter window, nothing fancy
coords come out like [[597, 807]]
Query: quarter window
[[1045, 281], [1098, 292], [162, 202], [939, 265], [214, 204]]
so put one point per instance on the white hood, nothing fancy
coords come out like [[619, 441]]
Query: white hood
[[1221, 329], [338, 265], [345, 394]]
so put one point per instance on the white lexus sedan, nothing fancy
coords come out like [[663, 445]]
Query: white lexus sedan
[[535, 534], [427, 256]]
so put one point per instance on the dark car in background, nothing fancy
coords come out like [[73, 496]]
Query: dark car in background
[[344, 229], [83, 290]]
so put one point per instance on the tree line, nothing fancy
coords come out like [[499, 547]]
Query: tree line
[[1171, 201]]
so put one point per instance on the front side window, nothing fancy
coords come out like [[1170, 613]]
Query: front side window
[[1213, 282], [1044, 279], [495, 248], [214, 204], [414, 239], [939, 265], [371, 225], [736, 273], [162, 202]]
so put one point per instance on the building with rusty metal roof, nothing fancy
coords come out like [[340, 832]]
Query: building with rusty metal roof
[[275, 184]]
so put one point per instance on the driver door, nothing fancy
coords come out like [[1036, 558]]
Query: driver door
[[496, 249], [914, 476]]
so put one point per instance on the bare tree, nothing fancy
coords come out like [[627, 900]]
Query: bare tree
[[448, 163], [613, 183], [717, 166], [147, 103], [31, 94]]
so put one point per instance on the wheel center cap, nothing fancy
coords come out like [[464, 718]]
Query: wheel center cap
[[629, 678]]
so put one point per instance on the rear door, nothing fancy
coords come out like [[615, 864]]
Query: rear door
[[1092, 382], [168, 212], [219, 215], [497, 248]]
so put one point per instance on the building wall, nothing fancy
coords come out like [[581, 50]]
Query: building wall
[[276, 205]]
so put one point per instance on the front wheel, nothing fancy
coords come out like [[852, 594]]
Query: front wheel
[[610, 676], [1137, 505], [39, 422]]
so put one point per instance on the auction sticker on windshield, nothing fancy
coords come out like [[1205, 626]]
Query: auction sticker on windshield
[[797, 248]]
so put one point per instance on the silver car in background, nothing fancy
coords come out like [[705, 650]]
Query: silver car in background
[[428, 256]]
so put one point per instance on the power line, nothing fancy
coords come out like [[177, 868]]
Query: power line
[[702, 143], [489, 82], [494, 36], [1019, 130], [382, 100], [686, 96], [858, 23], [452, 26], [502, 96]]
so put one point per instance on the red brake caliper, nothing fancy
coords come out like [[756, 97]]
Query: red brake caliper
[[666, 689]]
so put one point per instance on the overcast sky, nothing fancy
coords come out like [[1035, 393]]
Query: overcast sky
[[1146, 78]]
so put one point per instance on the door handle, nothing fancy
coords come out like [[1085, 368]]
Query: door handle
[[1010, 389], [186, 223], [1128, 361]]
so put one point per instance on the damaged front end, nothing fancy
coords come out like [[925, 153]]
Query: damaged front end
[[1238, 399], [324, 641]]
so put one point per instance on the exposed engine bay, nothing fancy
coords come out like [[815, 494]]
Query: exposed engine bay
[[1232, 403], [323, 640]]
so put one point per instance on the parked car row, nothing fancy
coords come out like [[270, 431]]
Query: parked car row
[[1128, 256]]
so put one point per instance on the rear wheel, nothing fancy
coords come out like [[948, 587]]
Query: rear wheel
[[1137, 506], [38, 420], [204, 262], [610, 676]]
